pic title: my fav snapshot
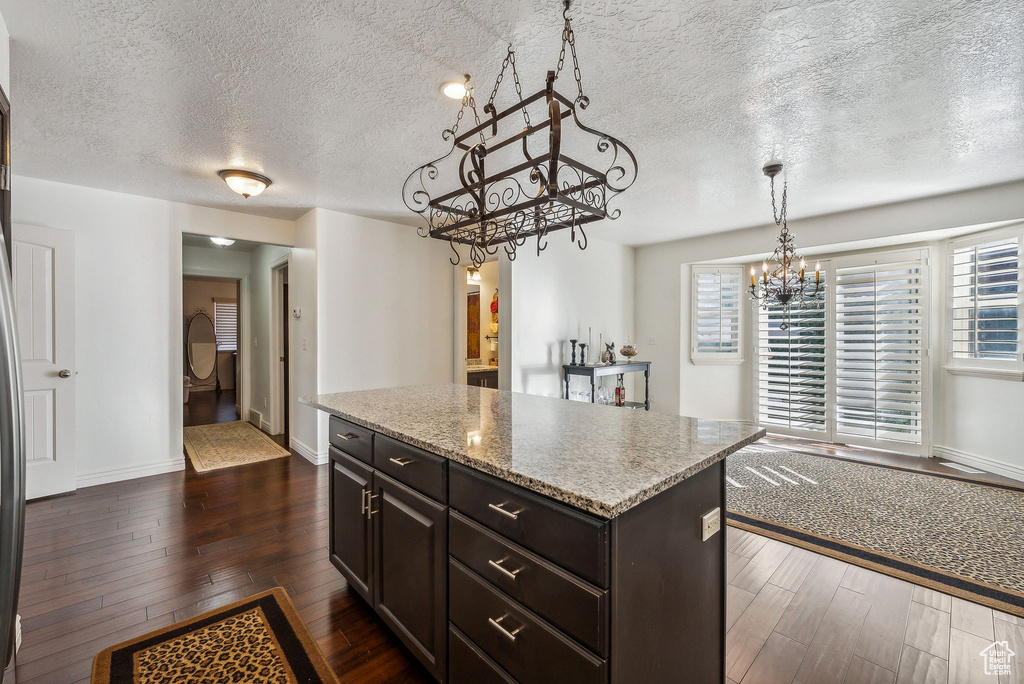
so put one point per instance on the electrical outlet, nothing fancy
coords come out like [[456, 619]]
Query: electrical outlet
[[650, 341], [710, 523], [264, 402], [255, 343]]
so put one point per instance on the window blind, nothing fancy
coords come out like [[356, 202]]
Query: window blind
[[880, 324], [985, 300], [717, 293], [792, 364], [225, 323]]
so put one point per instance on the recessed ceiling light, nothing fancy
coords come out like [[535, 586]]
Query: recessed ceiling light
[[455, 89], [222, 242], [245, 183]]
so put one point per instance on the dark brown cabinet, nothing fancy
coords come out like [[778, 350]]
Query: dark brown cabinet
[[350, 487], [487, 378], [410, 548], [391, 544]]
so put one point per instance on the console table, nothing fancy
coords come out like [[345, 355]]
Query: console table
[[595, 372]]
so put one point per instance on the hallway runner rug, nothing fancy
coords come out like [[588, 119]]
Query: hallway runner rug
[[256, 640], [224, 445], [953, 535]]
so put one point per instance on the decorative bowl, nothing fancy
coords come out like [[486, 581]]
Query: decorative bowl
[[628, 350]]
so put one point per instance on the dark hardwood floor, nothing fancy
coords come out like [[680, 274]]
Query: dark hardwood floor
[[114, 561], [210, 406]]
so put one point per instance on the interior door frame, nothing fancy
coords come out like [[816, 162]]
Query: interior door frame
[[5, 160], [459, 293], [279, 394], [245, 352]]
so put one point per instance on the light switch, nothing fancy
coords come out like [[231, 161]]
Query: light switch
[[650, 341], [303, 344], [710, 523]]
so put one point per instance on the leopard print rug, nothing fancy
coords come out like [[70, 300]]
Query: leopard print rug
[[946, 533]]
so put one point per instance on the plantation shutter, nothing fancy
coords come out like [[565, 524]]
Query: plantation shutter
[[792, 364], [880, 348], [985, 300], [225, 323], [717, 293]]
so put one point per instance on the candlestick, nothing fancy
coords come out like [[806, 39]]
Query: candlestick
[[573, 362], [753, 281], [583, 354]]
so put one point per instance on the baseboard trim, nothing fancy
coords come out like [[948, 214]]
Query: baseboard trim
[[308, 453], [265, 426], [980, 462], [130, 472]]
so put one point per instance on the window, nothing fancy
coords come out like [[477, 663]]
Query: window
[[717, 294], [225, 323], [985, 291], [791, 365], [880, 348]]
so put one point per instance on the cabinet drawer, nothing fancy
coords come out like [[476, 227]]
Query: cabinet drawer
[[420, 470], [515, 638], [572, 539], [467, 664], [352, 439], [575, 607]]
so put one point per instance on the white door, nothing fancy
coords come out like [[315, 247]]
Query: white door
[[43, 274]]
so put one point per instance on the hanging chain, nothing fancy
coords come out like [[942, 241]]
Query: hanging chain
[[780, 217], [569, 38], [462, 110], [510, 60]]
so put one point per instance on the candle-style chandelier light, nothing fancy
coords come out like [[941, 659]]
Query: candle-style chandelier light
[[525, 182], [781, 279]]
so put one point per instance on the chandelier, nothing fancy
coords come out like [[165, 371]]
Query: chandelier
[[781, 280], [502, 188]]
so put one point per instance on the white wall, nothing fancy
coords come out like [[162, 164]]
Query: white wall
[[128, 258], [5, 58], [306, 423], [556, 296], [663, 313], [213, 261], [383, 315]]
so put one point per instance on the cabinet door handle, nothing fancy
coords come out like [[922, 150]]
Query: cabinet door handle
[[498, 626], [402, 461], [364, 505], [347, 436], [510, 514], [511, 574], [369, 505]]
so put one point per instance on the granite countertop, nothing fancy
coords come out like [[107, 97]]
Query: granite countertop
[[479, 367], [601, 459]]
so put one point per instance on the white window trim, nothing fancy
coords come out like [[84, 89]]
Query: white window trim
[[733, 358], [984, 368]]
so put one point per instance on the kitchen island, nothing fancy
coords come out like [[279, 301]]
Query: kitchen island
[[505, 537]]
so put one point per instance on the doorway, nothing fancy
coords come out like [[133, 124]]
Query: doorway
[[483, 324], [212, 380], [281, 380]]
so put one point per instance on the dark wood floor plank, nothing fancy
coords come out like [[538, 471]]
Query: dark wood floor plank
[[800, 622], [831, 650]]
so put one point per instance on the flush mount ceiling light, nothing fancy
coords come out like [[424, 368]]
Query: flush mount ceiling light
[[222, 242], [502, 189], [455, 89], [245, 183], [781, 278]]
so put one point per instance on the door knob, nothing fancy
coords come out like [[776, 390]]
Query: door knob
[[65, 373]]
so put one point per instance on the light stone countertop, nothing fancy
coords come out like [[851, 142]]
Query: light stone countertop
[[479, 367], [601, 459]]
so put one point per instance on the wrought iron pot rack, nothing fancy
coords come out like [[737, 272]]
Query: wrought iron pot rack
[[500, 203]]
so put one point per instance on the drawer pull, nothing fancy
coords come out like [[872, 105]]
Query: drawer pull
[[347, 436], [369, 504], [510, 514], [364, 505], [511, 574], [402, 461], [497, 625]]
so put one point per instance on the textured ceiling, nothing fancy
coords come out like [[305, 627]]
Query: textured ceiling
[[867, 101]]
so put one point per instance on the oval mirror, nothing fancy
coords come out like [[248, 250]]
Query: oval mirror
[[202, 346]]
